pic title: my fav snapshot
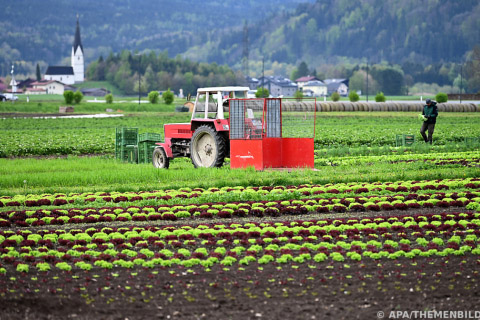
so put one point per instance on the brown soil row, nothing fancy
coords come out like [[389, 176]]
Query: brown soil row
[[305, 217], [358, 290]]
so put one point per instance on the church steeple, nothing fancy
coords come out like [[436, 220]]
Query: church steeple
[[77, 42], [77, 56]]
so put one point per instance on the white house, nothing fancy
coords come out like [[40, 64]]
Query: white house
[[47, 87], [34, 91], [318, 88]]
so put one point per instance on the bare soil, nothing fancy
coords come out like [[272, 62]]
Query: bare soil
[[303, 217], [328, 291]]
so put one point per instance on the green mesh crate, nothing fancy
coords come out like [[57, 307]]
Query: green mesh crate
[[131, 153], [404, 140], [126, 136], [154, 137], [145, 151], [127, 153]]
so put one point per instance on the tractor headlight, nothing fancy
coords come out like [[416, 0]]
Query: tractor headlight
[[225, 127]]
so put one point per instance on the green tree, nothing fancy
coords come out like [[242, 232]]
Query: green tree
[[380, 97], [109, 98], [77, 96], [143, 84], [262, 93], [311, 27], [390, 79], [189, 86], [150, 79], [441, 97], [68, 96], [91, 71], [335, 96], [472, 71], [168, 96], [302, 70], [100, 70], [353, 96], [298, 95], [153, 97], [38, 74], [294, 75], [460, 83], [358, 81], [165, 81], [122, 74]]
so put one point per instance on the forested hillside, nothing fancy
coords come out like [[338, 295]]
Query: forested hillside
[[424, 32], [42, 31]]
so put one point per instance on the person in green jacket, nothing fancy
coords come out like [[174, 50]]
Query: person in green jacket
[[430, 113]]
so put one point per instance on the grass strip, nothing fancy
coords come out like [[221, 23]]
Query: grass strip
[[93, 174]]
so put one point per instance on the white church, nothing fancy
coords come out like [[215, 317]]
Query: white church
[[66, 74]]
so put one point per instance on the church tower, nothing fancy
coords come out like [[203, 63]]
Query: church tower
[[78, 64]]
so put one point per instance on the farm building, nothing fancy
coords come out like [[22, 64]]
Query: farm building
[[46, 87]]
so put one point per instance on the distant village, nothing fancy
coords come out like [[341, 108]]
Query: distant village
[[58, 79], [310, 86]]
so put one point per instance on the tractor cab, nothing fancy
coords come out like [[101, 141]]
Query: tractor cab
[[212, 103]]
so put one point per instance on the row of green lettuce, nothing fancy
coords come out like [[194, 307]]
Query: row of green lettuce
[[431, 235], [471, 158], [41, 217]]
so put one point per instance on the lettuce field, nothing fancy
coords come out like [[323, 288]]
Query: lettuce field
[[335, 130], [374, 230]]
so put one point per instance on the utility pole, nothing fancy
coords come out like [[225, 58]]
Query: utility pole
[[461, 81], [138, 67], [245, 61], [263, 77], [367, 80]]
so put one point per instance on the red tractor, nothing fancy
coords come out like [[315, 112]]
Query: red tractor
[[261, 133], [206, 138]]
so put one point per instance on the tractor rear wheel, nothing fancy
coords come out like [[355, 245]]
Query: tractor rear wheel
[[160, 159], [208, 148]]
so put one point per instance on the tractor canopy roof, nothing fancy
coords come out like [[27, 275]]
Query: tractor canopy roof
[[222, 89]]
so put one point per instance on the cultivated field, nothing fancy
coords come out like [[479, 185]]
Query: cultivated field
[[373, 229]]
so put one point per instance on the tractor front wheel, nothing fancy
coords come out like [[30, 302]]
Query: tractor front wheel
[[160, 159], [208, 148]]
